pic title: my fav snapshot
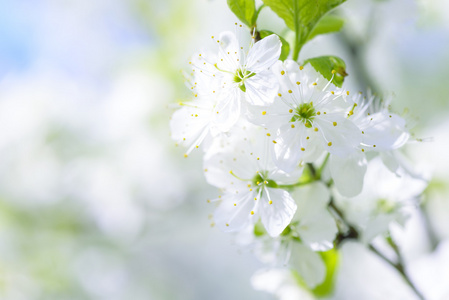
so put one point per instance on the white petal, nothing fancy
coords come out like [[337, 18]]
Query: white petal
[[344, 137], [230, 218], [348, 173], [229, 57], [287, 150], [264, 54], [390, 161], [188, 125], [308, 264], [228, 109], [386, 131], [316, 227], [261, 89], [276, 216]]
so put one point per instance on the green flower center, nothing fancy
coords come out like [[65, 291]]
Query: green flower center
[[260, 179], [240, 76], [304, 113]]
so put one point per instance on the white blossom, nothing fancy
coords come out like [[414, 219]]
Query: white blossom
[[251, 183]]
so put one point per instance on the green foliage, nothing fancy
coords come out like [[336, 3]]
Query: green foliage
[[245, 10], [285, 50], [328, 66], [301, 16], [327, 24], [331, 259]]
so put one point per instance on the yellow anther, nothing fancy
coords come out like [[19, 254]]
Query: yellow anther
[[374, 146], [290, 110], [333, 71], [266, 182], [363, 150], [347, 93], [332, 93], [290, 91], [351, 113], [303, 149], [264, 113], [324, 112], [227, 224], [208, 201], [301, 67], [279, 94], [318, 113], [298, 83], [185, 155], [205, 170], [270, 202], [212, 36], [363, 132], [235, 204], [316, 129], [250, 190], [329, 144], [252, 212], [282, 72], [249, 185], [334, 123], [196, 95], [314, 83], [274, 142], [268, 134], [307, 138], [196, 146], [258, 158], [258, 182], [292, 126]]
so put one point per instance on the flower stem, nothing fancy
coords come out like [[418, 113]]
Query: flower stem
[[352, 233], [399, 266]]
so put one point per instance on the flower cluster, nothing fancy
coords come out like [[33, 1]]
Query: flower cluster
[[285, 146]]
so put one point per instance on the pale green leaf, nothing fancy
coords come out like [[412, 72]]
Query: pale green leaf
[[301, 16], [327, 24], [329, 66], [285, 50], [245, 10]]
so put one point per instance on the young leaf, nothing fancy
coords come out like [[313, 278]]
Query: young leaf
[[327, 24], [301, 16], [329, 66], [285, 50], [245, 10]]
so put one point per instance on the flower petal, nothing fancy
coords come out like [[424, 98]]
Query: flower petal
[[229, 217], [264, 54], [316, 227], [308, 264], [348, 173], [261, 89], [339, 135], [276, 216], [289, 142]]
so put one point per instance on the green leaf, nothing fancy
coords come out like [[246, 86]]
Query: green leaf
[[301, 16], [331, 259], [327, 24], [285, 50], [325, 65], [245, 10]]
